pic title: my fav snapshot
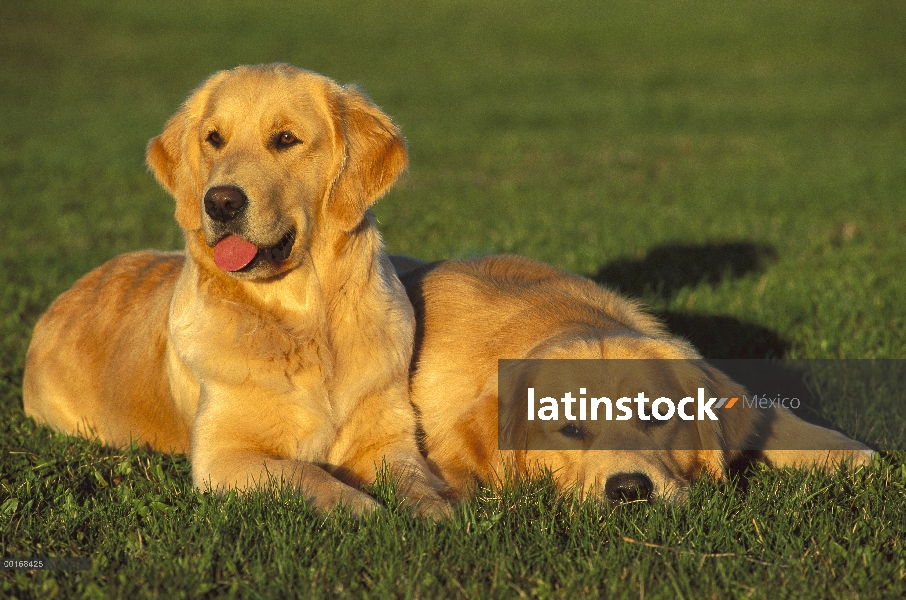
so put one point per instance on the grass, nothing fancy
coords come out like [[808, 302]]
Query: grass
[[740, 166]]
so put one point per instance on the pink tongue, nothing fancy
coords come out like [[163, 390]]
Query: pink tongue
[[233, 253]]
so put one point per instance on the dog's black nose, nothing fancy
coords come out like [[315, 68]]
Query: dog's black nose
[[224, 203], [626, 487]]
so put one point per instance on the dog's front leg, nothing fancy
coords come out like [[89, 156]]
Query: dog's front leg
[[245, 440], [788, 441], [380, 433], [246, 471]]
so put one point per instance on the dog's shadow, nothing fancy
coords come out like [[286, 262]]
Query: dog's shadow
[[667, 269]]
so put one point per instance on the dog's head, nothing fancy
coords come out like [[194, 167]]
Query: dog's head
[[261, 159], [618, 459]]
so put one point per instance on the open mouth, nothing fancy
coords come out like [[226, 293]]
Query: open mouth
[[238, 255], [279, 251]]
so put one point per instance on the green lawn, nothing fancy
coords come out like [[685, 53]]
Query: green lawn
[[741, 166]]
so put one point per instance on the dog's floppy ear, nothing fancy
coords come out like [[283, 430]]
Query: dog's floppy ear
[[374, 156], [166, 156], [173, 155], [727, 439], [508, 388]]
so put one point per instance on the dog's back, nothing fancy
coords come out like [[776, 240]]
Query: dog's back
[[504, 306]]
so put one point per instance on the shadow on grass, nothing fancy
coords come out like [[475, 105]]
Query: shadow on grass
[[720, 336], [667, 269]]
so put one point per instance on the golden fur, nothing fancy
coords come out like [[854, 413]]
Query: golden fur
[[293, 368], [471, 313]]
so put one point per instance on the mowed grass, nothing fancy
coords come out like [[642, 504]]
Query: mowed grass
[[740, 166]]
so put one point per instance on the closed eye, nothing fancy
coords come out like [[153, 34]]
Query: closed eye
[[572, 431]]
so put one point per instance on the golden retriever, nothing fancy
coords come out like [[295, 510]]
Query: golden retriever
[[278, 345], [470, 314]]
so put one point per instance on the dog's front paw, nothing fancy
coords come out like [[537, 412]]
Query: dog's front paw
[[361, 504], [853, 458], [431, 507], [827, 461], [358, 503]]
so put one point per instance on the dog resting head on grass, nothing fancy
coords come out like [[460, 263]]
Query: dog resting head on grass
[[472, 313], [277, 346]]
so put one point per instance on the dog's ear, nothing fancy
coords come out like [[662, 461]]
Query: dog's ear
[[729, 438], [167, 158], [374, 156], [509, 388], [173, 155]]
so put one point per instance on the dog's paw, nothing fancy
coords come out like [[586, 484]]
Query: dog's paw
[[826, 461], [356, 502], [360, 503], [853, 458], [431, 507]]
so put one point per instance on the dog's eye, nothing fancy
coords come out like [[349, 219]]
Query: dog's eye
[[214, 139], [570, 430], [284, 140]]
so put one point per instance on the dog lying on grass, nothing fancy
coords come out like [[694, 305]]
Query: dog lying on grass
[[278, 344], [471, 313]]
